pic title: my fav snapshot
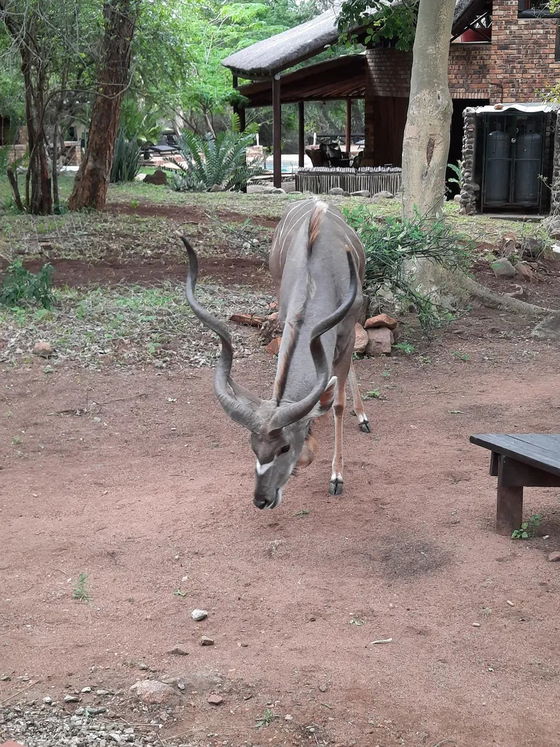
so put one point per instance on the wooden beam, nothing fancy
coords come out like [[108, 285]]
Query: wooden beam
[[348, 126], [301, 134], [276, 132], [240, 111]]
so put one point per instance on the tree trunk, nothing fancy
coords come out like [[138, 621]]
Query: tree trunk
[[426, 135], [40, 186], [90, 186], [34, 70]]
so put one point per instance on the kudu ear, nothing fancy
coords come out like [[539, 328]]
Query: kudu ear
[[325, 400]]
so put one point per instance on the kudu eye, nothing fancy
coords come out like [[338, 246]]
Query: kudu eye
[[284, 449]]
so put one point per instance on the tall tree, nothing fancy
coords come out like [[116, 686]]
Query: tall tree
[[90, 187], [26, 31], [428, 122]]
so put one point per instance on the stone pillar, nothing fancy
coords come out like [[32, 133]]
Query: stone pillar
[[555, 179], [469, 188]]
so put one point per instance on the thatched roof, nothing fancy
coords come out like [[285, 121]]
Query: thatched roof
[[341, 78], [263, 59], [281, 51]]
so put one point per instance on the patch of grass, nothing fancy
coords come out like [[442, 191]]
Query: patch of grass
[[127, 325], [461, 356], [527, 528], [372, 394], [303, 512], [267, 718], [179, 593], [405, 347], [80, 591]]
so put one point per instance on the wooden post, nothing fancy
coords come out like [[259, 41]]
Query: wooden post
[[240, 111], [301, 134], [276, 132], [348, 126], [509, 509]]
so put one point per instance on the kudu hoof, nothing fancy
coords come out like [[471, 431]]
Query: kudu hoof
[[364, 426], [336, 487]]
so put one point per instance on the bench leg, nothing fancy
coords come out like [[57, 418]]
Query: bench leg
[[509, 509]]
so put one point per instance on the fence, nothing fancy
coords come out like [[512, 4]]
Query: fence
[[373, 178]]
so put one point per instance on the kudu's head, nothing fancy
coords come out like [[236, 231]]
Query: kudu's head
[[280, 431]]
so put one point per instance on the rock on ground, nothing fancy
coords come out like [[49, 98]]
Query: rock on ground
[[153, 691], [548, 329], [159, 178], [380, 341], [362, 339]]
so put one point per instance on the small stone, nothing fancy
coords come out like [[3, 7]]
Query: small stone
[[48, 700], [152, 691], [102, 692], [380, 320], [360, 193], [380, 340], [43, 349], [510, 603], [288, 717], [323, 688], [206, 641], [503, 268], [274, 346], [525, 271], [215, 699], [337, 191], [362, 339], [519, 292], [199, 615], [86, 689], [71, 699], [476, 625], [554, 557], [179, 651]]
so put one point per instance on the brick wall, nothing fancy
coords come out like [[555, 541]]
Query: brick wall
[[516, 66], [388, 72]]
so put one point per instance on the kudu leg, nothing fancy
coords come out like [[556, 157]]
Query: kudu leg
[[357, 400], [337, 482]]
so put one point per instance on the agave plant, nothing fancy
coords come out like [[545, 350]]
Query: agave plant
[[217, 163], [126, 159]]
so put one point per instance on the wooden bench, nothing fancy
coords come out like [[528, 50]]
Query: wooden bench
[[520, 460]]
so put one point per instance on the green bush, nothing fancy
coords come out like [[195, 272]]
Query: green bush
[[20, 287], [126, 160], [391, 244], [216, 163]]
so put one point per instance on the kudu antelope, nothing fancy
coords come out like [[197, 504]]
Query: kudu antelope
[[317, 261]]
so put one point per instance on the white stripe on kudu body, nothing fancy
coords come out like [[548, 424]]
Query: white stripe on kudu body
[[317, 261]]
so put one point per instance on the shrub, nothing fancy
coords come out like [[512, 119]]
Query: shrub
[[214, 163], [20, 287], [126, 160], [391, 244]]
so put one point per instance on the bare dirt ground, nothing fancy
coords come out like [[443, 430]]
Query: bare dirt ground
[[135, 477]]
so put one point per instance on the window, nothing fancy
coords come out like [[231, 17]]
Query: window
[[535, 9]]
